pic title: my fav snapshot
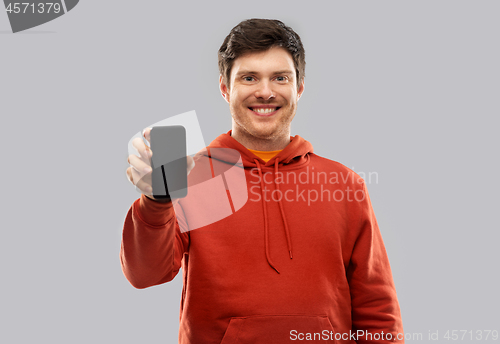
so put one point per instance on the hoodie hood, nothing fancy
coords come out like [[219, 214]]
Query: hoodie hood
[[294, 155]]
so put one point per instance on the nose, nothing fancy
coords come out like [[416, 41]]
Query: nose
[[264, 90]]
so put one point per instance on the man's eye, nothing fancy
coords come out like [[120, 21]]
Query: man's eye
[[281, 78], [248, 78]]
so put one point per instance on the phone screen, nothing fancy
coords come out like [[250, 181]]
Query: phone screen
[[169, 164]]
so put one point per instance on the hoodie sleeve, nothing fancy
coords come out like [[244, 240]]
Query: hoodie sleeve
[[152, 244], [375, 308]]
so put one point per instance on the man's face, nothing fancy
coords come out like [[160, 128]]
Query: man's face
[[263, 93]]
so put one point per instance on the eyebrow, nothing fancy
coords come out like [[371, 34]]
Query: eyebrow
[[254, 72]]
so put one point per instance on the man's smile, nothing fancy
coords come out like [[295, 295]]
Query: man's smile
[[264, 110]]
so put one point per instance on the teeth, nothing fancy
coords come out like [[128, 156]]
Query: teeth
[[264, 110]]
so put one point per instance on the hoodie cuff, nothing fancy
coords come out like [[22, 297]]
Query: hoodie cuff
[[154, 213]]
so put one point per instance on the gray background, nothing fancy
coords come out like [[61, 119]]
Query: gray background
[[405, 89]]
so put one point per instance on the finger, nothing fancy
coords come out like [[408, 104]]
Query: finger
[[142, 183], [138, 176], [134, 176], [146, 133], [141, 166], [129, 175], [141, 148], [144, 188]]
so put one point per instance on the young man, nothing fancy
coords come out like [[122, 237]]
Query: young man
[[303, 259]]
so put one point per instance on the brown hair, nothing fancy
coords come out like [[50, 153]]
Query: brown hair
[[256, 35]]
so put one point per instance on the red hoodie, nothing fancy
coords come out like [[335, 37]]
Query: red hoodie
[[299, 257]]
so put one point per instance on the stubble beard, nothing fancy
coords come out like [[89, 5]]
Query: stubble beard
[[279, 129]]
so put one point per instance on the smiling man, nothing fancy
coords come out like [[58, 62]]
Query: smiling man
[[303, 259], [263, 97]]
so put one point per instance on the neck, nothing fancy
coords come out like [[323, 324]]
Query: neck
[[261, 144]]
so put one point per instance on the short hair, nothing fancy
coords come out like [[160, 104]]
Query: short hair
[[256, 35]]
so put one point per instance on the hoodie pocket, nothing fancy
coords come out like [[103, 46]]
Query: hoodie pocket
[[277, 329]]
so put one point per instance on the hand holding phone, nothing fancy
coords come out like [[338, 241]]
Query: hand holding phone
[[169, 164], [140, 171]]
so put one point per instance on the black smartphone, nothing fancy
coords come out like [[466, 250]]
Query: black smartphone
[[169, 164]]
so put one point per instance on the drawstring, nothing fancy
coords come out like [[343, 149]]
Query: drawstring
[[287, 231], [264, 207], [265, 217]]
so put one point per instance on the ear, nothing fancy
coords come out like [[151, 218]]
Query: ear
[[301, 89], [224, 90]]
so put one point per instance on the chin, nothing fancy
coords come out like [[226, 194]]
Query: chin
[[264, 134]]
